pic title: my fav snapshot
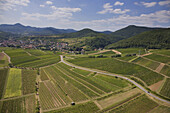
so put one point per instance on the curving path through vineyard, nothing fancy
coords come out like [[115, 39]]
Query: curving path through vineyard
[[110, 74]]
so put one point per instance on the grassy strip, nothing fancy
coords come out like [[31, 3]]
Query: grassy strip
[[14, 85]]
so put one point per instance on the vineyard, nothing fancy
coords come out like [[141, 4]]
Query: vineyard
[[88, 107], [118, 67], [3, 79], [20, 105], [166, 70], [28, 81], [159, 58], [60, 88], [141, 104], [148, 63], [32, 58], [13, 87], [166, 89]]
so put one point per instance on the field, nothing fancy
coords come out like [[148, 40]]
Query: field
[[52, 96], [82, 72], [43, 75], [159, 58], [165, 91], [114, 99], [28, 81], [148, 63], [166, 70], [32, 58], [88, 107], [126, 58], [35, 52], [14, 85], [161, 109], [162, 52], [20, 105], [141, 104], [132, 50], [3, 79], [118, 67]]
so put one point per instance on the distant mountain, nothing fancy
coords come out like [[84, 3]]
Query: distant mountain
[[82, 33], [107, 32], [131, 30], [159, 38], [28, 30]]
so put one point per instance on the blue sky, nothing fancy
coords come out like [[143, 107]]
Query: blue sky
[[99, 15]]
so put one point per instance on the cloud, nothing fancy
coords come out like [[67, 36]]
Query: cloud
[[49, 2], [151, 4], [153, 20], [58, 13], [118, 3], [108, 8], [10, 4], [42, 5], [167, 2]]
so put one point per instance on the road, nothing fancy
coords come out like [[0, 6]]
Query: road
[[110, 74]]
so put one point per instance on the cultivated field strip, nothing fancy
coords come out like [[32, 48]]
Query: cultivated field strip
[[119, 67], [86, 82], [159, 58], [86, 90], [50, 96], [141, 104], [148, 63], [70, 90], [3, 79], [165, 91], [14, 85], [19, 105], [87, 79], [43, 75], [28, 81], [166, 70]]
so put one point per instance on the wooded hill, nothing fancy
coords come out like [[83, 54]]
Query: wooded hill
[[154, 39]]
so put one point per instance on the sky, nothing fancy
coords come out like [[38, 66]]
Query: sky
[[99, 15]]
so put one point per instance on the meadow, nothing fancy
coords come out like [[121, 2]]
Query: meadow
[[14, 85]]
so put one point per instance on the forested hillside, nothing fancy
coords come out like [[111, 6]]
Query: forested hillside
[[150, 39]]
